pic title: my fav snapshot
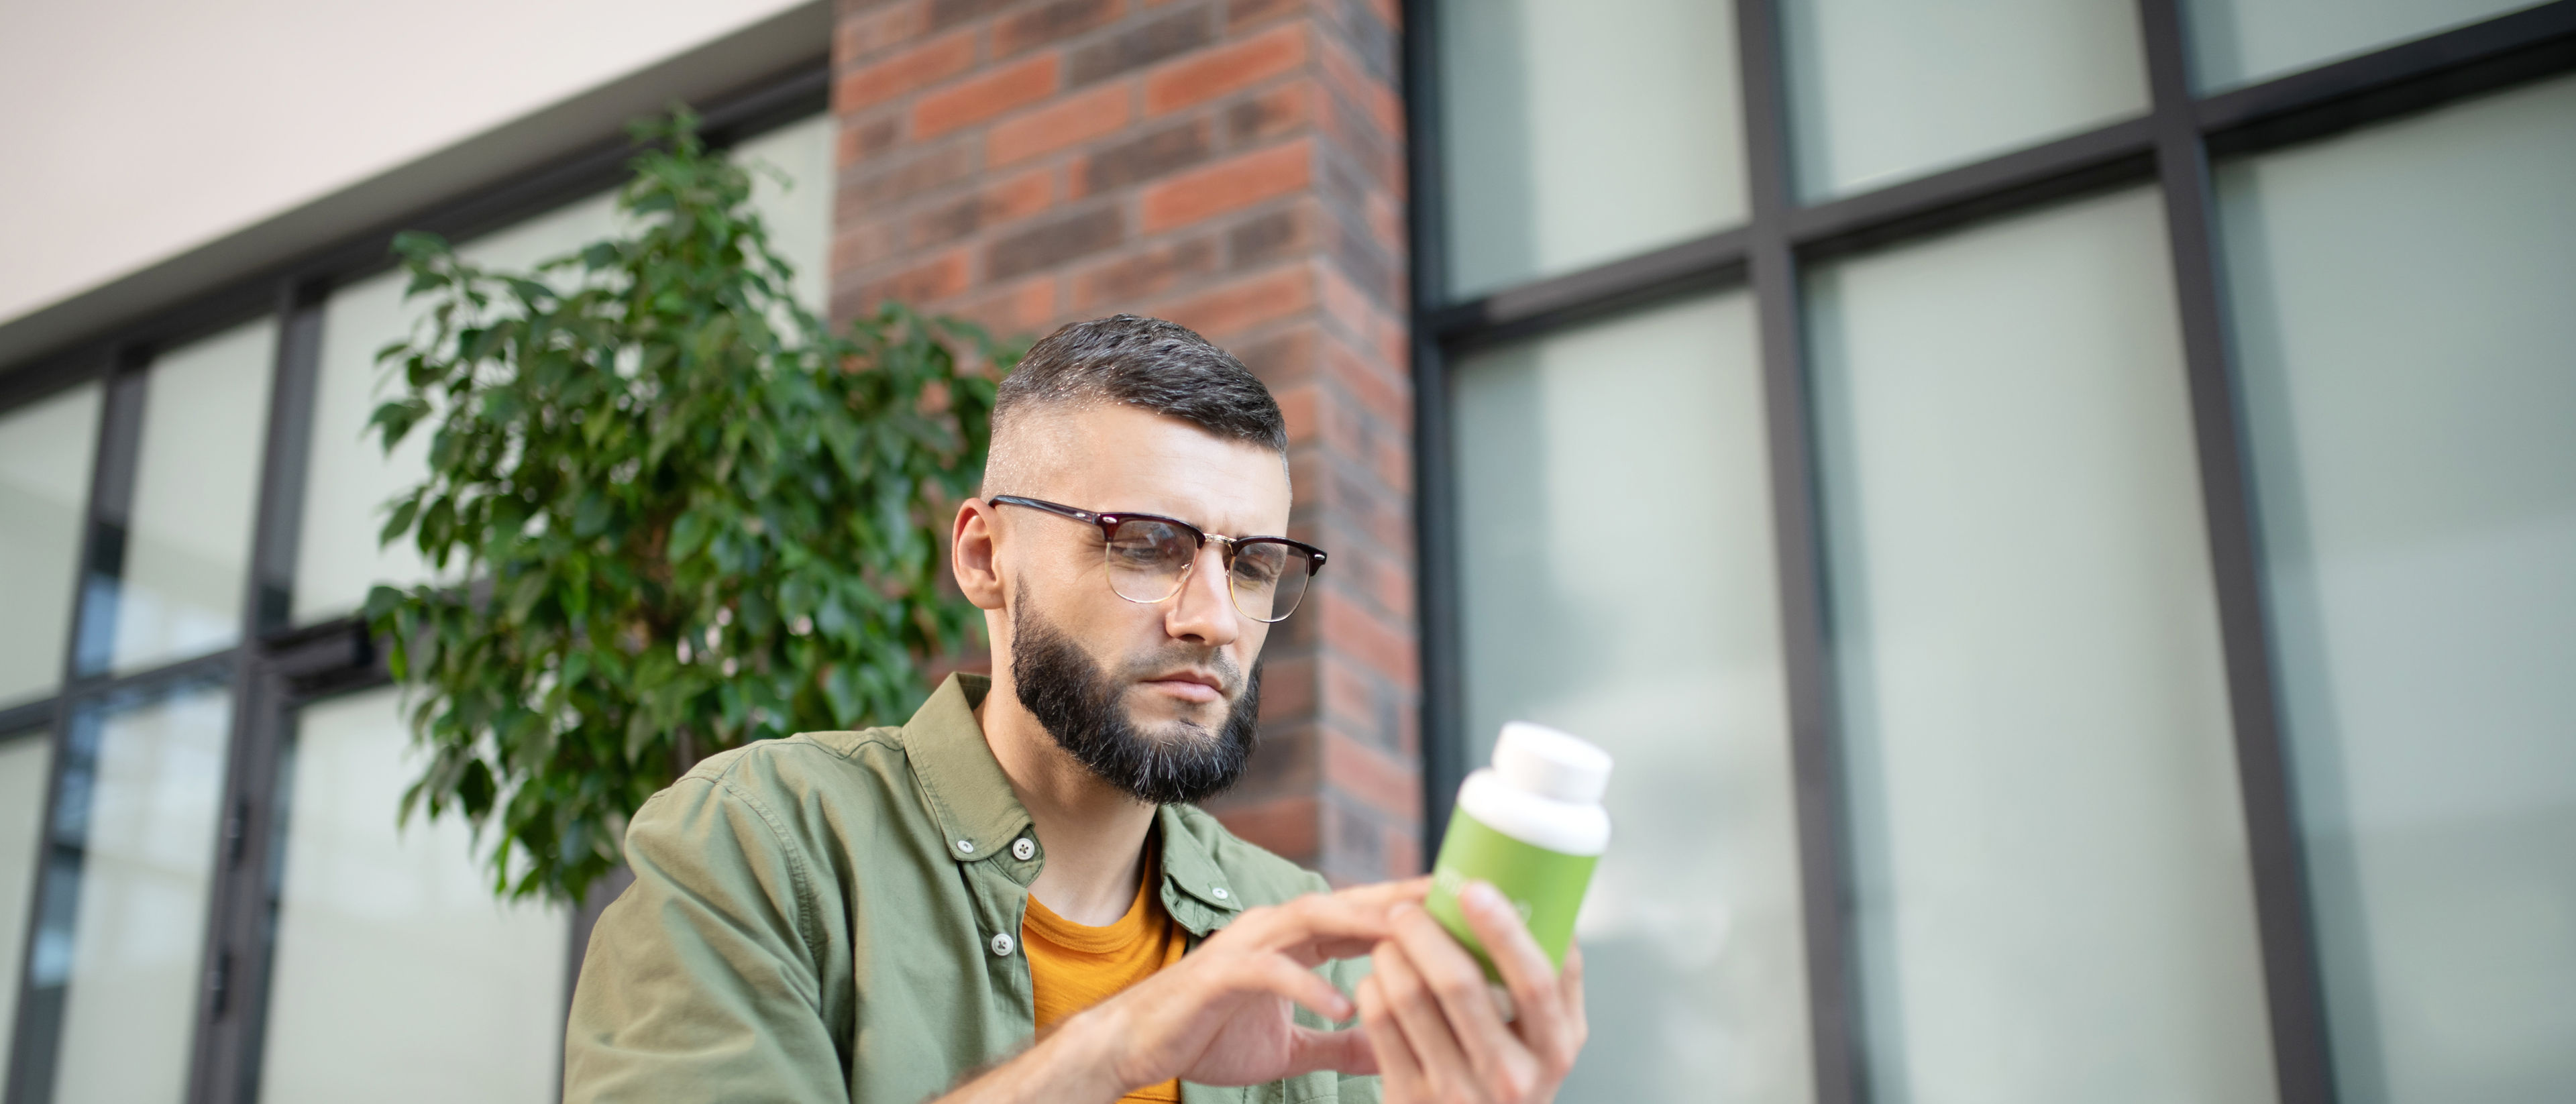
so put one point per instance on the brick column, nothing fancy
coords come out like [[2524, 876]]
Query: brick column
[[1235, 167]]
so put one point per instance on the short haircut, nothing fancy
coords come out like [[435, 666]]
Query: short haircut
[[1145, 363]]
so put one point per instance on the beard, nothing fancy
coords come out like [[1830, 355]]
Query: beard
[[1080, 705]]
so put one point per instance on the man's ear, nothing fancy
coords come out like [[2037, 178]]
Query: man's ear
[[971, 554]]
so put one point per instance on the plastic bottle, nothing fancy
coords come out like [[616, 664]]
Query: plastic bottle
[[1532, 824]]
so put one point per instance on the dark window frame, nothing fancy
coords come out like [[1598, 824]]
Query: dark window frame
[[276, 667], [2170, 148]]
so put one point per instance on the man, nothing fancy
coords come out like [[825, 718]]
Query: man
[[1011, 898]]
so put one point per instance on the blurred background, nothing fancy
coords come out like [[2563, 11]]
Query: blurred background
[[2065, 510]]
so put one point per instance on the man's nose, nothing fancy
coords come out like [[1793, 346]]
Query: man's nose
[[1203, 612]]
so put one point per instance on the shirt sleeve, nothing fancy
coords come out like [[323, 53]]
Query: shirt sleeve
[[701, 980]]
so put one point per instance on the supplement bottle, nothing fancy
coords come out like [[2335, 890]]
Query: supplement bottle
[[1531, 824]]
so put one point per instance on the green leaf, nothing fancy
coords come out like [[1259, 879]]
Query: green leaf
[[637, 439]]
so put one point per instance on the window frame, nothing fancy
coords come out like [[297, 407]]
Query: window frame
[[277, 667], [2169, 148]]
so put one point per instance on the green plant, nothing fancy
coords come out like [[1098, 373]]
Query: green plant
[[692, 516]]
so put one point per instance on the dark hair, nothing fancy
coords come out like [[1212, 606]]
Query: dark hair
[[1149, 364]]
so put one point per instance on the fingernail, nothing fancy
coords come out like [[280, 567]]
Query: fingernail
[[1483, 896]]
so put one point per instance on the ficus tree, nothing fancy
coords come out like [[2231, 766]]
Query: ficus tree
[[687, 513]]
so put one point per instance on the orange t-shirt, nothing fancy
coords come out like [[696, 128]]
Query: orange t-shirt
[[1073, 966]]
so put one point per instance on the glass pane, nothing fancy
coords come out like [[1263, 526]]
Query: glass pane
[[1615, 515], [1581, 131], [125, 917], [2051, 887], [799, 214], [2410, 427], [399, 977], [24, 759], [196, 483], [2242, 41], [1885, 90], [46, 450], [351, 478]]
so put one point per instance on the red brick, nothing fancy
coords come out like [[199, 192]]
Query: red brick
[[1270, 114], [1230, 68], [1343, 74], [1050, 22], [1241, 305], [1286, 825], [1287, 686], [1127, 281], [1297, 407], [1074, 119], [1383, 397], [861, 35], [1244, 13], [1343, 302], [1229, 185], [1150, 154], [1372, 775], [863, 139], [937, 279], [1364, 637], [860, 244], [919, 67], [1020, 310], [980, 98], [1014, 198]]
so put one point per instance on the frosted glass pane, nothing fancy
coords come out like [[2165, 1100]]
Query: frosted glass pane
[[2414, 444], [2050, 876], [24, 759], [351, 477], [1581, 131], [1617, 580], [46, 450], [798, 213], [1884, 90], [398, 976], [2242, 41], [196, 485], [141, 799]]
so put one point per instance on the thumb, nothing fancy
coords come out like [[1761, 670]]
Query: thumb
[[1346, 1051]]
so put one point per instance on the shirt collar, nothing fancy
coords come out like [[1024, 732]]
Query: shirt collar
[[979, 816], [969, 796]]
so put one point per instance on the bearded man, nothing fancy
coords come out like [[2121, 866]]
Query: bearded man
[[1011, 898]]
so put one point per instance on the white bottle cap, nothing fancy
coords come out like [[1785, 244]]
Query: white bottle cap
[[1540, 760]]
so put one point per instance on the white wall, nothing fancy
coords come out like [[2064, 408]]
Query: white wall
[[143, 130]]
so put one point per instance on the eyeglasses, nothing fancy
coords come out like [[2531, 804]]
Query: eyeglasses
[[1149, 556]]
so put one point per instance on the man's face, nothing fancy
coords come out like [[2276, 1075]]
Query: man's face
[[1157, 699]]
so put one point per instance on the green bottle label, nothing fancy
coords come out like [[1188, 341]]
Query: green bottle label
[[1546, 886]]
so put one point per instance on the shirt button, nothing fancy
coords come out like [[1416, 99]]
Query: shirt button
[[1001, 944], [1217, 891], [965, 847], [1023, 849]]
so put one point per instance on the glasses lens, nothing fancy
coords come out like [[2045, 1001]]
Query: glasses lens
[[1147, 559], [1269, 578]]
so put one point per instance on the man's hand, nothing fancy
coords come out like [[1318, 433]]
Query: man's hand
[[1437, 1033], [1219, 1016]]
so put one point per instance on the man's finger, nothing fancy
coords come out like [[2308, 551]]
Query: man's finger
[[1459, 984], [1536, 994], [1397, 1066], [1346, 1051], [1417, 1011], [1281, 976]]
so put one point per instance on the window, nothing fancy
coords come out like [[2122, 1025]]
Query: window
[[2168, 668], [197, 833]]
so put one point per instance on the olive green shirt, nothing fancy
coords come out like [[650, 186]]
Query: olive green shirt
[[836, 917]]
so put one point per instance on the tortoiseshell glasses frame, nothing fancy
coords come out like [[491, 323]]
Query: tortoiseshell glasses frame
[[1148, 557]]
